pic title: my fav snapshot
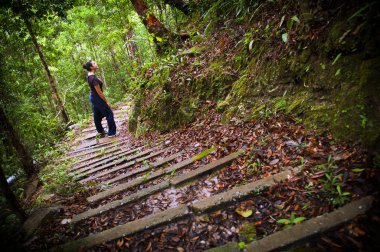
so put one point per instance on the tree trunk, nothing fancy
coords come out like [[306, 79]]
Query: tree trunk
[[152, 24], [10, 197], [179, 4], [58, 102], [131, 45], [13, 138]]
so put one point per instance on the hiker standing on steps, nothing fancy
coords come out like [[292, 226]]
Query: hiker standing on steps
[[100, 106]]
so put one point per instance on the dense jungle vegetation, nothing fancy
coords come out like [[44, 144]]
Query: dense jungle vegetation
[[317, 60]]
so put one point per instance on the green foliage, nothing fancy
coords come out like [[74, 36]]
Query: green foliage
[[291, 221], [248, 231], [242, 245], [57, 180], [332, 186], [329, 166], [254, 167], [332, 183]]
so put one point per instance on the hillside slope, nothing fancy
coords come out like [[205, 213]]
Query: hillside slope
[[317, 60]]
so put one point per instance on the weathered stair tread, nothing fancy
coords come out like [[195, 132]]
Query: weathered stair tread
[[140, 180], [125, 165], [103, 160], [161, 186], [241, 191], [119, 159], [117, 203], [138, 155], [102, 157], [174, 213], [94, 145], [177, 180], [95, 148], [306, 229], [116, 168], [144, 168], [105, 152], [87, 136], [126, 229]]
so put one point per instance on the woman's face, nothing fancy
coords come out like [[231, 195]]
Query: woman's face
[[94, 65]]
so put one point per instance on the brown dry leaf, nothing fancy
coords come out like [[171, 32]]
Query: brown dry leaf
[[274, 161], [120, 242], [359, 232], [175, 239], [149, 247], [194, 238], [269, 153]]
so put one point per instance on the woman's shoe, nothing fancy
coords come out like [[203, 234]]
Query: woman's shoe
[[100, 135], [114, 135]]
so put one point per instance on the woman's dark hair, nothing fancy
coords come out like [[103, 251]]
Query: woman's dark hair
[[87, 65]]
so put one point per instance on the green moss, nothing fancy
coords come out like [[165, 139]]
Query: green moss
[[192, 51], [298, 102]]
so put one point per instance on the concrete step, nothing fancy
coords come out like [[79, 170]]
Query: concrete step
[[121, 160], [101, 152], [128, 164], [199, 207], [175, 181], [241, 192], [143, 169], [94, 144], [103, 159], [281, 240], [126, 229], [140, 180]]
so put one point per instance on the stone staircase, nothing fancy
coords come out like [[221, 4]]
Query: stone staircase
[[163, 167]]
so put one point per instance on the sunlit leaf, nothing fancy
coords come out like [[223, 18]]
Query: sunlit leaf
[[295, 18], [284, 37], [283, 221], [299, 219], [241, 245], [250, 45], [243, 213], [357, 170], [337, 58]]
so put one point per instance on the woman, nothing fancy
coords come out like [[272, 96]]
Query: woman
[[100, 106]]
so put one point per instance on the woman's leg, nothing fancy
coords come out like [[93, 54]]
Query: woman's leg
[[97, 115], [105, 111], [111, 122]]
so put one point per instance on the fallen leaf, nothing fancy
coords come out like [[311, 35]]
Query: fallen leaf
[[274, 161], [65, 221], [243, 213], [120, 243]]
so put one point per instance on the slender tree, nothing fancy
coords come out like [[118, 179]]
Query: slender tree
[[56, 97], [152, 24], [13, 138], [29, 10], [11, 198]]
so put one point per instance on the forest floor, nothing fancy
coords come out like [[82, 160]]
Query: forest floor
[[332, 174]]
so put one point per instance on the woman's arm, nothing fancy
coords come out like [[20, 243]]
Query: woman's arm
[[101, 95]]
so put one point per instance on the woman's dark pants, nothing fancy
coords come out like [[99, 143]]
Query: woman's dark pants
[[100, 110]]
